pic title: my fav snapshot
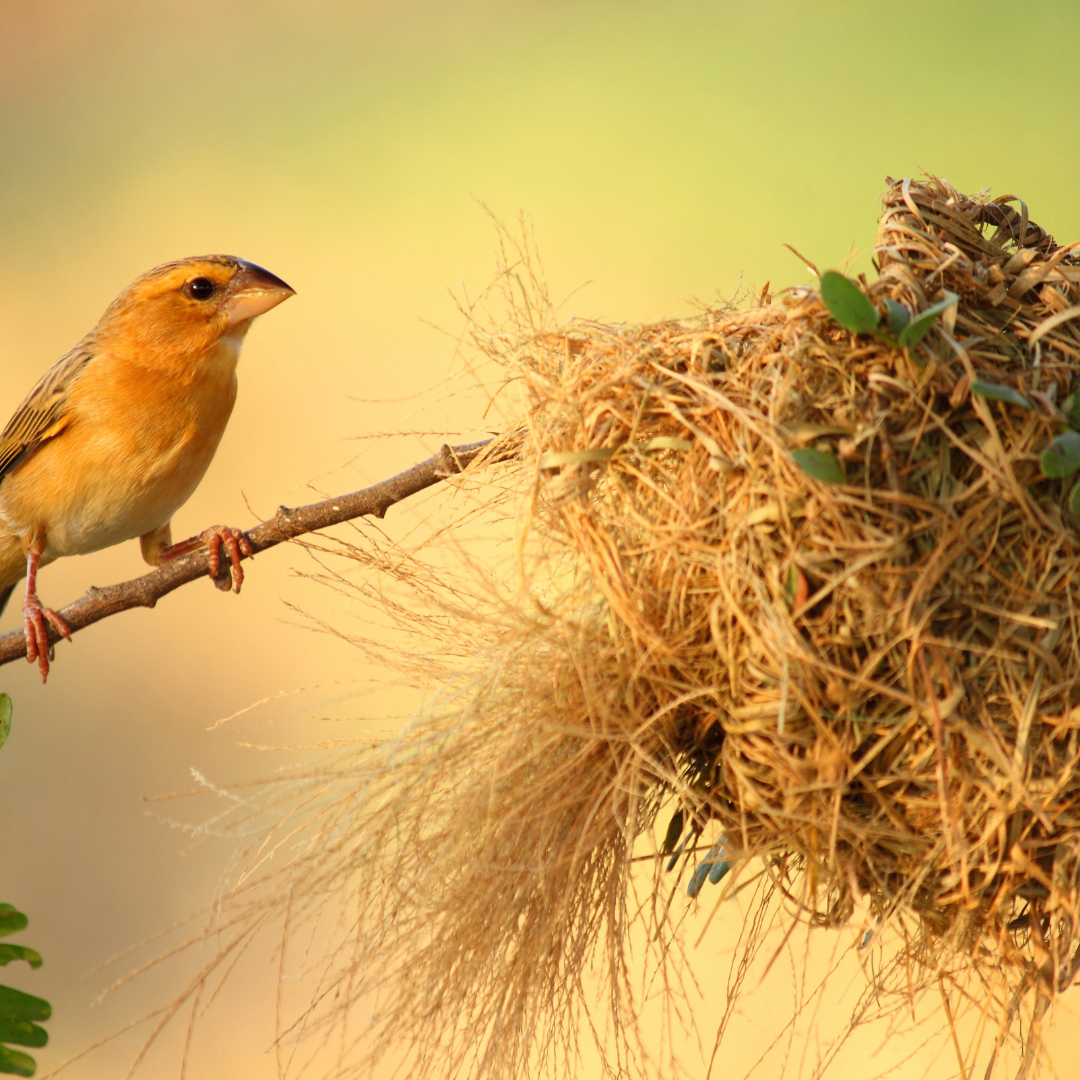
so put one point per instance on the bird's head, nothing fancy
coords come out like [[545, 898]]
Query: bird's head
[[183, 310]]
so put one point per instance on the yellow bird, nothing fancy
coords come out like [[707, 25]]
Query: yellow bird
[[118, 433]]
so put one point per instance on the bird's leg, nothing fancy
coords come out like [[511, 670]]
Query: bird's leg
[[215, 538], [36, 614]]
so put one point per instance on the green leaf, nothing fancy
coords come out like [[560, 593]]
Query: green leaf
[[697, 879], [718, 870], [16, 1005], [1062, 456], [5, 718], [675, 856], [1000, 393], [819, 465], [15, 1063], [674, 831], [847, 303], [1071, 408], [11, 921], [919, 327], [23, 1033], [1074, 499], [19, 952], [899, 316]]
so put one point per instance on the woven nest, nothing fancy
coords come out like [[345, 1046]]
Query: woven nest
[[878, 675], [865, 686], [870, 683]]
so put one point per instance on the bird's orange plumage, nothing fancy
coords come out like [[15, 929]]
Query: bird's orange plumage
[[118, 433]]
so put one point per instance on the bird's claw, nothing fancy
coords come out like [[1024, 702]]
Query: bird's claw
[[236, 545], [35, 616]]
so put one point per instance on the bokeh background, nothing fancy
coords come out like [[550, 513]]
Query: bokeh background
[[663, 152]]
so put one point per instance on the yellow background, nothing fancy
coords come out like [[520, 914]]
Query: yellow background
[[664, 152]]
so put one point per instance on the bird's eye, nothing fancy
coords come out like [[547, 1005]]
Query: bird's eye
[[200, 288]]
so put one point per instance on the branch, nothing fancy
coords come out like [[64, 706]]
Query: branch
[[285, 525]]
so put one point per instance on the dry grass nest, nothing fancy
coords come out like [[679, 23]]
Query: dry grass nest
[[878, 675], [802, 592]]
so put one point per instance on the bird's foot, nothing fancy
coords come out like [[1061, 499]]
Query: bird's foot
[[35, 616], [215, 538], [236, 545]]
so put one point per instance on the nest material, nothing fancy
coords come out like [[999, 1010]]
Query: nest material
[[874, 682], [868, 687]]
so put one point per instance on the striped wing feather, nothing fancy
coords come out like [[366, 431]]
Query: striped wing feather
[[44, 413]]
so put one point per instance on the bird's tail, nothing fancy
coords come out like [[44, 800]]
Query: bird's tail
[[5, 596]]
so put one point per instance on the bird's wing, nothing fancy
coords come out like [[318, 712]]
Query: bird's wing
[[44, 413]]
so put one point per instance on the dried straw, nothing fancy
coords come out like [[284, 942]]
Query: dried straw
[[868, 687]]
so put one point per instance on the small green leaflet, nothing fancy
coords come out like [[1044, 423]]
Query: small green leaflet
[[674, 831], [1074, 499], [820, 465], [919, 327], [23, 1033], [15, 1063], [16, 1005], [1000, 393], [712, 869], [11, 921], [675, 856], [1062, 456], [899, 316], [18, 1011], [1071, 409], [698, 878], [19, 952], [5, 731], [847, 303], [852, 309], [719, 869]]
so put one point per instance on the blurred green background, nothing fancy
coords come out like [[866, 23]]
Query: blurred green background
[[664, 152]]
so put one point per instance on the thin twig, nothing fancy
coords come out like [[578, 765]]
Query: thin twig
[[286, 524]]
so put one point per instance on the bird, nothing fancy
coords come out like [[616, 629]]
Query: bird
[[117, 434]]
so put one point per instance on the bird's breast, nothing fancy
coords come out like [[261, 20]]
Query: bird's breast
[[138, 444]]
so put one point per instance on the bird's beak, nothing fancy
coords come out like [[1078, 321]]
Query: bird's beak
[[253, 291]]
